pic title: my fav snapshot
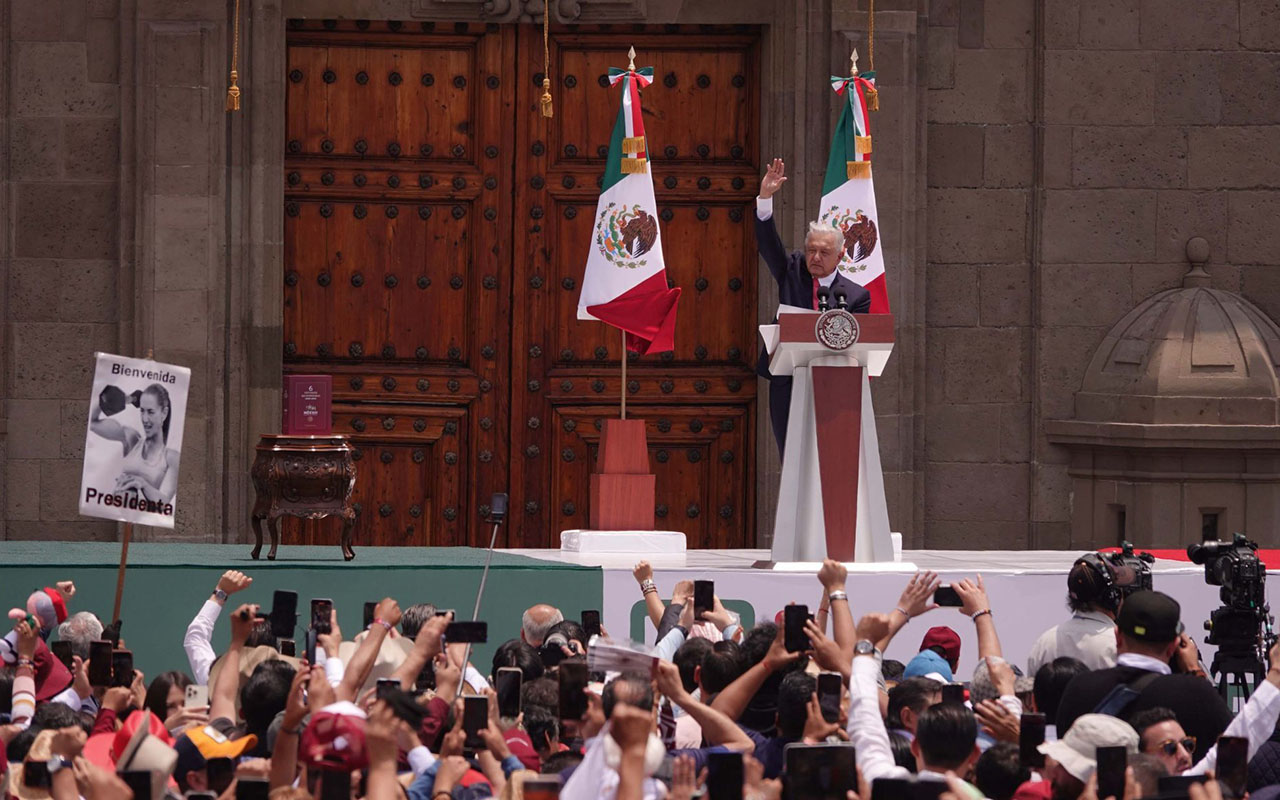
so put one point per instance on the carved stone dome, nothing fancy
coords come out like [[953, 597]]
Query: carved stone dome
[[1194, 355]]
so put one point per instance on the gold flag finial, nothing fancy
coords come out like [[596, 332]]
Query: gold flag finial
[[631, 54], [853, 62]]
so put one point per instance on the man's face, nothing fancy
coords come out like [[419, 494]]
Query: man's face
[[822, 255], [1168, 742], [1065, 785]]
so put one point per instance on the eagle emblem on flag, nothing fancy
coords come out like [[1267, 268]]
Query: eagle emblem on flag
[[860, 236], [624, 234]]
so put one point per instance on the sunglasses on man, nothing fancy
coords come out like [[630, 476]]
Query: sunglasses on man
[[1170, 746]]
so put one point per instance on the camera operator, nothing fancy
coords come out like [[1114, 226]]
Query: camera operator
[[1148, 633]]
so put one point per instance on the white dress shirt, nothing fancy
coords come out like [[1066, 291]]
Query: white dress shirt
[[870, 740], [1139, 661], [1089, 636], [1256, 721], [198, 641]]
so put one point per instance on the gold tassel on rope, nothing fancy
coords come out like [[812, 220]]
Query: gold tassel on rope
[[633, 144], [544, 102], [632, 166], [873, 99], [854, 169], [233, 91], [862, 145], [871, 95]]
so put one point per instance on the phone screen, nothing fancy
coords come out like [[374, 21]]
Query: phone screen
[[890, 789], [385, 687], [466, 632], [257, 789], [284, 613], [475, 718], [1111, 765], [321, 613], [821, 771], [100, 663], [335, 785], [543, 787], [724, 776], [138, 780], [830, 687], [591, 623], [704, 597], [793, 635], [35, 775], [62, 650], [121, 668], [220, 771], [1030, 737], [945, 595], [1233, 762], [288, 647], [573, 689], [953, 693], [369, 609], [507, 684]]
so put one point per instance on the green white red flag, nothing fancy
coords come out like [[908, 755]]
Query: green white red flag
[[848, 193], [625, 283]]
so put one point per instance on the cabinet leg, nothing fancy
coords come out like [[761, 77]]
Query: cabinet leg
[[348, 522], [273, 525], [256, 522]]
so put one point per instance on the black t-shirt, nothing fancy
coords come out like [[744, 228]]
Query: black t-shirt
[[1200, 709]]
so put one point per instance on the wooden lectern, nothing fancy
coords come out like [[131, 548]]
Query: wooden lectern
[[831, 502]]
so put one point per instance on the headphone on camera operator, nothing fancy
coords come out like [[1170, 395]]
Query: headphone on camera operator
[[1109, 578]]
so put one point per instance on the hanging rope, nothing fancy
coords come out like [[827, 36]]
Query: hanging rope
[[872, 95], [233, 91], [545, 100]]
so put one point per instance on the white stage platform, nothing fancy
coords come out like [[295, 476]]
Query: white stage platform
[[1027, 590]]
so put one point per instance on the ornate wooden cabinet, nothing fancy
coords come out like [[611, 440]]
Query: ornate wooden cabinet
[[436, 229]]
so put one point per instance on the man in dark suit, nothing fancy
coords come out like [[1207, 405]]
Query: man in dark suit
[[799, 276], [1148, 634]]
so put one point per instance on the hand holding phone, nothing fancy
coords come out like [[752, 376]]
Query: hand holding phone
[[573, 689], [196, 696], [100, 663], [507, 686], [121, 668], [947, 596], [62, 650], [793, 636], [704, 597], [475, 718], [1233, 763], [466, 633], [1112, 762], [591, 623], [724, 776], [1030, 737], [321, 615], [830, 688]]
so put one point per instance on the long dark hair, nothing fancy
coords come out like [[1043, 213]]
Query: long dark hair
[[157, 700], [162, 394]]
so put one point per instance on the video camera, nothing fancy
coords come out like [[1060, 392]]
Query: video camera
[[1241, 627], [1131, 572], [1235, 567]]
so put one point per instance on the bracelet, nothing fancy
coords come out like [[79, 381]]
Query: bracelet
[[380, 621], [220, 595], [838, 595], [25, 662], [977, 614], [647, 585], [902, 611]]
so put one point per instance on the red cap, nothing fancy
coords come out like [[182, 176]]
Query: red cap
[[52, 676], [946, 639], [59, 605], [155, 727], [334, 741]]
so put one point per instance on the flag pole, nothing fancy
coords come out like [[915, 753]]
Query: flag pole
[[624, 373]]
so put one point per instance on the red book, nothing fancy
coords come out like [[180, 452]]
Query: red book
[[307, 404]]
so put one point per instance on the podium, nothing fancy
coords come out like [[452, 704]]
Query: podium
[[831, 502]]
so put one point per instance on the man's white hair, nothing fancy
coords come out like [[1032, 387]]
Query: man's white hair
[[826, 229], [80, 628], [536, 630]]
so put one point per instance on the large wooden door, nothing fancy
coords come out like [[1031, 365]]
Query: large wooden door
[[436, 228]]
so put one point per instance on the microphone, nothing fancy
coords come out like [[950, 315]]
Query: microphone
[[824, 298], [842, 300]]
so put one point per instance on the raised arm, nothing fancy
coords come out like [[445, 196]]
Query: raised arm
[[717, 727], [735, 697], [198, 641], [768, 242], [110, 429], [385, 617], [426, 647], [977, 607], [222, 695], [916, 599], [652, 602], [833, 575]]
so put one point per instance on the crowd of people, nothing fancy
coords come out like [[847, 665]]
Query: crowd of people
[[712, 707]]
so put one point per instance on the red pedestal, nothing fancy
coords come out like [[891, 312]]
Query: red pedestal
[[622, 490]]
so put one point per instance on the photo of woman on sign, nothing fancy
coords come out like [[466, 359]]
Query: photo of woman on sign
[[149, 467]]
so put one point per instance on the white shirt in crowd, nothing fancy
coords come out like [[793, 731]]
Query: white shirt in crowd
[[1089, 636]]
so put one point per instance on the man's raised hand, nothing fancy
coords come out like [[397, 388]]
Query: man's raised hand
[[233, 581], [832, 575], [917, 598], [774, 177], [242, 622]]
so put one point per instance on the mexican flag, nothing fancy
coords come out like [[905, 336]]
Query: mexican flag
[[848, 193], [625, 283]]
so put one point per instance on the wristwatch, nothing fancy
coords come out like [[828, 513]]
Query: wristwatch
[[864, 648], [220, 595], [56, 763]]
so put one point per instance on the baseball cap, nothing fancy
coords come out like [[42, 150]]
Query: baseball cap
[[41, 750], [1150, 617], [197, 745], [1077, 751], [928, 664], [146, 751], [334, 739], [945, 638]]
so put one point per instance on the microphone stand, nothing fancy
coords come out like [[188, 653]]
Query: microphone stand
[[497, 513]]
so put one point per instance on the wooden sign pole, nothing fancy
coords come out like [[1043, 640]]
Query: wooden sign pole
[[124, 547]]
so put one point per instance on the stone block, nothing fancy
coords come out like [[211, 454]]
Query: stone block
[[33, 428], [1151, 278], [188, 179], [1084, 294], [940, 58], [1009, 23], [1057, 156], [182, 131], [47, 20], [976, 493], [35, 149], [33, 290], [178, 59], [1051, 494], [102, 50], [885, 389], [55, 360], [1109, 24], [1181, 216], [91, 148], [1260, 24], [182, 258], [944, 12], [104, 9], [1261, 286], [1099, 87], [1015, 432], [1064, 354], [935, 363], [1062, 24], [1189, 90], [956, 432], [66, 220], [991, 87], [1050, 536], [1253, 237], [1249, 84], [977, 225], [986, 365], [22, 489], [73, 426], [1007, 157], [951, 295], [168, 10], [889, 432], [1234, 158], [51, 79], [1099, 226], [1004, 295], [87, 291], [1190, 25], [60, 489], [177, 211], [955, 535], [969, 34], [955, 155], [181, 320], [1129, 157]]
